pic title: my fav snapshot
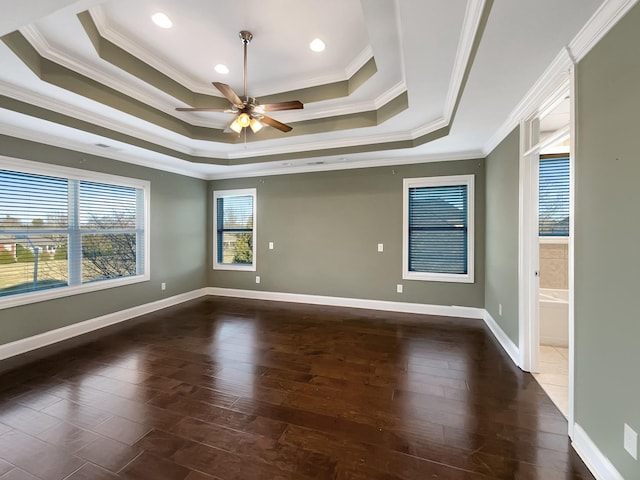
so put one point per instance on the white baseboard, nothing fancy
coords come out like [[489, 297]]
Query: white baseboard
[[387, 306], [591, 455], [54, 336], [507, 344], [595, 460], [59, 334]]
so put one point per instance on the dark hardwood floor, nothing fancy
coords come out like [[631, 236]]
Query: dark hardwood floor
[[236, 389]]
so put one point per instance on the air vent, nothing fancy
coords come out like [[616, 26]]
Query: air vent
[[316, 163], [103, 145]]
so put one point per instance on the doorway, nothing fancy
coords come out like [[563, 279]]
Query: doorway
[[546, 247]]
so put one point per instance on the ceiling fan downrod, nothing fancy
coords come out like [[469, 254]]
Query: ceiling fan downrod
[[246, 37]]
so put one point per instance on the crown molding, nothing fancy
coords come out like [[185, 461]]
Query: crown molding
[[118, 38], [472, 17], [37, 40], [429, 127], [341, 164], [603, 20], [42, 46], [321, 145], [313, 113], [92, 149], [551, 80], [351, 69], [358, 62], [65, 108], [558, 71], [399, 36]]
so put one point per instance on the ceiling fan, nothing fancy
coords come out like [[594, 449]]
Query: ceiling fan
[[249, 112]]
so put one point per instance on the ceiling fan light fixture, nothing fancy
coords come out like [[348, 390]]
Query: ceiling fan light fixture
[[162, 20], [256, 125], [243, 120], [235, 126]]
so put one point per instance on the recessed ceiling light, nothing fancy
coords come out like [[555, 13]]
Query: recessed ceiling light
[[317, 45], [161, 20], [220, 68]]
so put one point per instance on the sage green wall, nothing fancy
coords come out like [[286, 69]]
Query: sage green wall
[[501, 277], [326, 227], [607, 251], [178, 244]]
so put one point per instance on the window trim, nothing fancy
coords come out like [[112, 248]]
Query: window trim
[[37, 168], [443, 181], [243, 192]]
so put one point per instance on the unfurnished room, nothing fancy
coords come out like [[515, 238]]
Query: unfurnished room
[[348, 239]]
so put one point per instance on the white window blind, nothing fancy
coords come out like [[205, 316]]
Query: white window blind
[[58, 232], [553, 197], [439, 229]]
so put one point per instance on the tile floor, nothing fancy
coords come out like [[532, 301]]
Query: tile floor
[[553, 375]]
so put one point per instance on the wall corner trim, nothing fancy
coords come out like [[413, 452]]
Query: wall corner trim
[[384, 305], [591, 455], [505, 342], [34, 342]]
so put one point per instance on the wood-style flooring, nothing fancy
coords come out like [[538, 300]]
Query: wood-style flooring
[[236, 389]]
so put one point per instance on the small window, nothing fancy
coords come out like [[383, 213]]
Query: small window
[[234, 217], [438, 229], [62, 234], [553, 195]]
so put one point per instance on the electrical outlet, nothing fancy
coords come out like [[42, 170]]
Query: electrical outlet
[[163, 286], [631, 441], [500, 309], [381, 247], [270, 245], [257, 278], [399, 288]]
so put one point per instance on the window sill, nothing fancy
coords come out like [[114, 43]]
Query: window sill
[[438, 277], [238, 268], [61, 292]]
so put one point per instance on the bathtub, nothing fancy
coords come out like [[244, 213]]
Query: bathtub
[[554, 317]]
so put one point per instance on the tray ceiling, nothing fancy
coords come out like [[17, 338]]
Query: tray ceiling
[[398, 80]]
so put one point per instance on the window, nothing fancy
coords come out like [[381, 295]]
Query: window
[[438, 229], [553, 195], [62, 233], [234, 219]]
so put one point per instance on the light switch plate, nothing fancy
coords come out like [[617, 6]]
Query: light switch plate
[[270, 245], [381, 247]]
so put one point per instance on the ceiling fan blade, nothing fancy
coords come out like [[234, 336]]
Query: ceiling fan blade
[[276, 124], [204, 109], [229, 94], [275, 107]]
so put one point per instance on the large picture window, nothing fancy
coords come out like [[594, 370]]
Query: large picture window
[[234, 219], [62, 232], [438, 229]]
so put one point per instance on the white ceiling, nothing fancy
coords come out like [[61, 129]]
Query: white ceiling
[[421, 47]]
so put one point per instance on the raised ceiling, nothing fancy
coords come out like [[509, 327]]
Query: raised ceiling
[[400, 80]]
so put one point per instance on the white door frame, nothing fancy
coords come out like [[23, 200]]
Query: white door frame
[[528, 250], [528, 244]]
